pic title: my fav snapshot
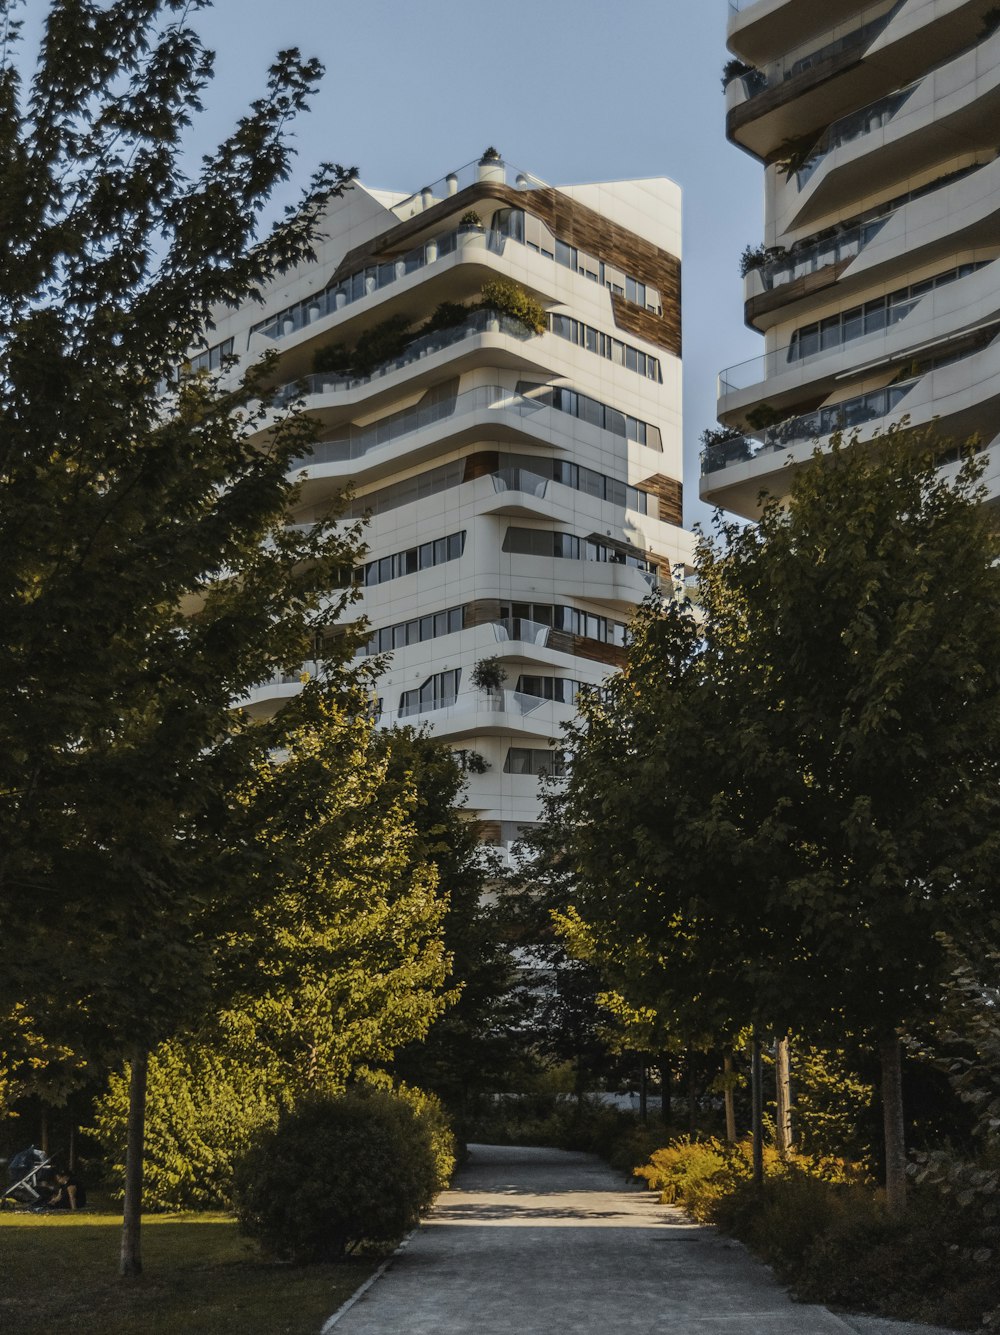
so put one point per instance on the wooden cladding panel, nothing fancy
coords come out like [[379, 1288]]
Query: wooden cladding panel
[[670, 495], [482, 611], [480, 464], [573, 223]]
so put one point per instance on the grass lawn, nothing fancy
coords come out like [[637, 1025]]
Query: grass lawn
[[59, 1273]]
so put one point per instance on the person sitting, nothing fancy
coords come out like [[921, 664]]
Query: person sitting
[[68, 1192]]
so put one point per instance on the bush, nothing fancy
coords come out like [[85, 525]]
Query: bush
[[334, 1172], [201, 1113], [508, 298]]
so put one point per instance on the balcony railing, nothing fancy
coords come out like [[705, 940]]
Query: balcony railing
[[516, 703], [824, 421], [857, 125], [520, 479], [366, 282], [794, 355], [357, 441], [821, 254], [793, 63], [520, 628], [481, 322], [492, 170]]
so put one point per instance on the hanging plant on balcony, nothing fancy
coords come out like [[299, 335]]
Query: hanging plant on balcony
[[794, 154]]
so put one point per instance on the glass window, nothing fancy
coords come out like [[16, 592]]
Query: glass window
[[565, 254], [591, 339], [874, 316], [829, 332]]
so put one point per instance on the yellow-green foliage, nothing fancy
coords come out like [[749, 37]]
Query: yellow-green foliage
[[510, 299], [700, 1174]]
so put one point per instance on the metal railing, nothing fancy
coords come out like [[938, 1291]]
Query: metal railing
[[824, 421], [821, 254]]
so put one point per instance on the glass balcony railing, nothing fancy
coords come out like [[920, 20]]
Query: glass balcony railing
[[520, 479], [520, 628], [481, 322], [821, 254], [824, 421], [374, 278], [876, 116], [516, 703], [492, 170], [357, 441], [796, 62], [806, 352]]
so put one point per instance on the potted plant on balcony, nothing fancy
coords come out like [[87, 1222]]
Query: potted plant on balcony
[[491, 167], [489, 675], [470, 229]]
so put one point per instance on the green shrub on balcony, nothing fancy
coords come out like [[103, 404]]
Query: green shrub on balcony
[[500, 294]]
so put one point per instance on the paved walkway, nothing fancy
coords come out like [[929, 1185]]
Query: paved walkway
[[541, 1242]]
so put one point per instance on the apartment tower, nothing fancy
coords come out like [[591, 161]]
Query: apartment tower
[[876, 287], [522, 476]]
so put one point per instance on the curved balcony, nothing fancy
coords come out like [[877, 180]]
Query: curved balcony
[[477, 713], [816, 83], [759, 28], [898, 136], [900, 331], [959, 213], [959, 399]]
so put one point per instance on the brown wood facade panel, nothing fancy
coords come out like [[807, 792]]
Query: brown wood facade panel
[[570, 221], [482, 611], [670, 496]]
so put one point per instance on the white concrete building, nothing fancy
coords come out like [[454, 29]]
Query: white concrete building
[[524, 488], [877, 288]]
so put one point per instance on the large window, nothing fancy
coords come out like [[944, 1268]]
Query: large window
[[572, 620], [569, 547], [871, 317], [561, 689], [213, 359], [429, 627], [591, 410], [534, 760], [437, 692], [613, 349], [532, 232], [412, 560]]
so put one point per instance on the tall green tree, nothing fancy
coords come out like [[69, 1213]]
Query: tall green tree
[[471, 1049], [146, 579], [814, 769]]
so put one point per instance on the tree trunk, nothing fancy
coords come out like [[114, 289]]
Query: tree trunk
[[44, 1130], [643, 1094], [131, 1254], [729, 1095], [757, 1101], [783, 1084], [692, 1095], [71, 1158], [665, 1109], [892, 1116]]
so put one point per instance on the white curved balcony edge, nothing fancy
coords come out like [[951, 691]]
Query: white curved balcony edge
[[958, 400], [934, 318], [943, 103]]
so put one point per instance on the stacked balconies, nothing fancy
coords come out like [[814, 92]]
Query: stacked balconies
[[521, 481], [877, 288]]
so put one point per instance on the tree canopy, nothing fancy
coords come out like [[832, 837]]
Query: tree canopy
[[791, 793]]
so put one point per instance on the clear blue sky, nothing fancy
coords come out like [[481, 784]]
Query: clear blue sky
[[571, 90]]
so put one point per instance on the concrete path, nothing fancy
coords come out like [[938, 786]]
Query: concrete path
[[542, 1242]]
